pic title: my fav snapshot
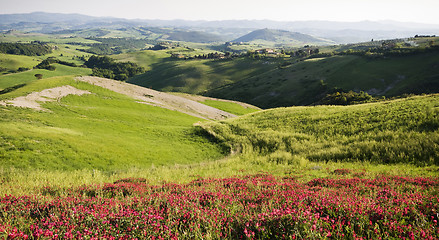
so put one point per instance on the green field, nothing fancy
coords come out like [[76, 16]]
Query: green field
[[145, 58], [10, 80], [104, 136], [199, 76], [103, 131], [13, 62], [230, 107]]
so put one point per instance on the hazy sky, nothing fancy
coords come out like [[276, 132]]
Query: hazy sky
[[424, 11]]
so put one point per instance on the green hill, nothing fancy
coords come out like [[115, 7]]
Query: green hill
[[306, 82], [11, 80], [275, 82], [398, 131], [103, 130], [199, 76], [281, 37]]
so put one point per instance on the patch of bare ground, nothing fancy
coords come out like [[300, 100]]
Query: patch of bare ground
[[160, 99], [34, 100]]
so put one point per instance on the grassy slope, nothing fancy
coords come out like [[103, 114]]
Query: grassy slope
[[29, 76], [264, 84], [13, 62], [293, 142], [400, 131], [104, 130], [306, 82], [230, 107], [145, 58], [198, 76]]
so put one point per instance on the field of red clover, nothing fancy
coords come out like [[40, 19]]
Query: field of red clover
[[262, 206]]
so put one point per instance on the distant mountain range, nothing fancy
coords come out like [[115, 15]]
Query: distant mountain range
[[340, 32]]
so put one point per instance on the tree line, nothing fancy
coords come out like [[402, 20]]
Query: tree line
[[27, 49], [47, 64], [107, 67]]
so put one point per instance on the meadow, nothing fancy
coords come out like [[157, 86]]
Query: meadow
[[10, 80], [398, 131], [103, 166], [324, 172], [199, 76], [102, 131], [230, 107]]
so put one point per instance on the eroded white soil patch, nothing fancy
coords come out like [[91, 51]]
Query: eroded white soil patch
[[160, 99], [34, 100]]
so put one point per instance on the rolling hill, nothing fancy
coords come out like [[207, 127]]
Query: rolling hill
[[194, 36], [100, 129], [398, 131], [281, 37], [276, 82], [341, 32]]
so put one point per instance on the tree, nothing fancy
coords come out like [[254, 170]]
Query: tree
[[39, 76]]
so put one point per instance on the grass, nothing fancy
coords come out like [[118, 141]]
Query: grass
[[145, 58], [230, 107], [346, 205], [271, 83], [13, 62], [103, 130], [306, 171], [401, 131], [26, 77], [199, 76]]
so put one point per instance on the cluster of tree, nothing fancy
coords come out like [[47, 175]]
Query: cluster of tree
[[100, 49], [254, 55], [346, 98], [28, 49], [390, 51], [10, 89], [20, 69], [424, 36], [303, 52], [107, 67], [158, 47], [213, 55], [47, 64]]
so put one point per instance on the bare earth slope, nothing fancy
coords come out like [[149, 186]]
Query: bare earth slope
[[160, 99], [33, 100]]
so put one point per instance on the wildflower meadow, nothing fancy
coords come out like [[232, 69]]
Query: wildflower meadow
[[258, 206]]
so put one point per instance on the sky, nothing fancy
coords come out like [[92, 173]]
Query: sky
[[422, 11]]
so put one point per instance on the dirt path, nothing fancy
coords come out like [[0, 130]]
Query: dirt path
[[160, 99], [34, 99]]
